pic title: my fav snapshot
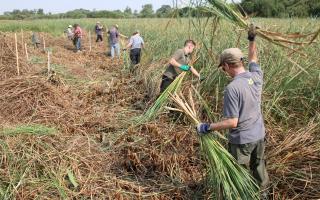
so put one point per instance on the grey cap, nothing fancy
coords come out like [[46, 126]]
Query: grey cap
[[231, 56]]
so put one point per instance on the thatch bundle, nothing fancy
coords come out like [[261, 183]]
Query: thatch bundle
[[27, 99]]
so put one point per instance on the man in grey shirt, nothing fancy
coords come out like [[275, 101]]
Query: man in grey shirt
[[242, 111]]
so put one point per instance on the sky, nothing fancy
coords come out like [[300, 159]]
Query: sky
[[58, 6]]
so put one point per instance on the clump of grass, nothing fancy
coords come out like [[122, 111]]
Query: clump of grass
[[225, 174], [161, 101], [31, 129]]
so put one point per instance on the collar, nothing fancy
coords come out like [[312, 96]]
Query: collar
[[244, 74]]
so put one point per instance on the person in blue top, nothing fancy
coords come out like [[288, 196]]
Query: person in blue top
[[242, 111]]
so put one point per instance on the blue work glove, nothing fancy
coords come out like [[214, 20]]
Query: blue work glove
[[203, 128], [184, 67]]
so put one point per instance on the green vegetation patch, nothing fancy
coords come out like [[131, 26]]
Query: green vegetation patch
[[28, 129]]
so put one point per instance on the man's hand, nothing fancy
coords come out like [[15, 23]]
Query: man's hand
[[202, 78], [252, 55], [203, 128], [184, 67], [252, 32]]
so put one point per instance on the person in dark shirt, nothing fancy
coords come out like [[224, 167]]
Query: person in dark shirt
[[99, 32]]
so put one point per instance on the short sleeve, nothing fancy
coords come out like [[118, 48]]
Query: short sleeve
[[178, 54], [231, 105], [142, 40], [254, 67]]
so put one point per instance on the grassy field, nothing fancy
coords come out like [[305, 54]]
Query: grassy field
[[291, 104]]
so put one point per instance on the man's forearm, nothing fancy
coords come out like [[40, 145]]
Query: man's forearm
[[121, 35], [129, 45], [195, 72], [224, 124], [174, 62], [252, 52]]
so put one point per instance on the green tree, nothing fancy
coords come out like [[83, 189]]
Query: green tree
[[40, 11], [277, 8], [128, 10], [164, 11], [147, 11], [315, 9]]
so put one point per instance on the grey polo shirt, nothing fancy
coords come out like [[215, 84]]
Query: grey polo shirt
[[242, 100]]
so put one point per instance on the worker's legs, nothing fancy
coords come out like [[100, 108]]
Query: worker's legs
[[112, 50], [78, 44], [242, 153], [258, 165], [117, 49], [166, 81], [138, 56], [132, 57], [99, 38], [251, 156], [135, 56], [74, 41]]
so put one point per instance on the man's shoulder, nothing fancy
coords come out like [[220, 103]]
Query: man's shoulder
[[254, 67], [232, 87], [254, 64], [179, 51], [234, 84], [136, 37]]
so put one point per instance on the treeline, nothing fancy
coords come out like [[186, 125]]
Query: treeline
[[147, 11], [259, 8], [282, 8]]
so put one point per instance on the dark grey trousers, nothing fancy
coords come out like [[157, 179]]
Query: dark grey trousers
[[252, 157]]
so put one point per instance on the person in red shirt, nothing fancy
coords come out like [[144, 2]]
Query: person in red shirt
[[77, 33]]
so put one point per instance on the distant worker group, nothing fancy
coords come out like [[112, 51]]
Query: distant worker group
[[135, 43]]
